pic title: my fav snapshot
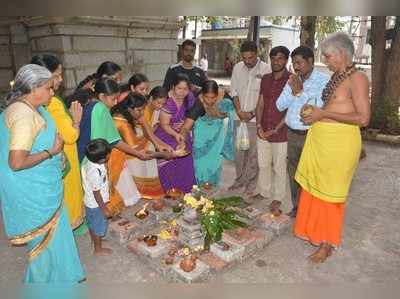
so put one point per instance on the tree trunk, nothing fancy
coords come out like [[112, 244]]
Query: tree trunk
[[307, 31], [378, 43], [184, 27], [362, 38], [392, 76], [251, 28]]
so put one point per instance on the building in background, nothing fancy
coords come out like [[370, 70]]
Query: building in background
[[138, 44], [223, 42]]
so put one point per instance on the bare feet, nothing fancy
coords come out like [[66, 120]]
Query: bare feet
[[257, 197], [292, 213], [235, 186], [324, 251], [102, 251]]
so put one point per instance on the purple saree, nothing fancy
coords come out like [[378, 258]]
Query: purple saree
[[178, 172]]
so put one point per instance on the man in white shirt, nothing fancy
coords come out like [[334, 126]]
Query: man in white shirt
[[245, 89]]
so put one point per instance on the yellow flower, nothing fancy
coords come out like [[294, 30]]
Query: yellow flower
[[198, 248], [186, 251], [173, 222], [191, 201], [165, 235], [212, 213], [204, 210]]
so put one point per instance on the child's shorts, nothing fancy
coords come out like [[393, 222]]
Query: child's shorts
[[97, 223]]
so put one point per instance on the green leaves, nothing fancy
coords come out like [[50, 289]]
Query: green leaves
[[222, 217], [213, 226], [232, 201]]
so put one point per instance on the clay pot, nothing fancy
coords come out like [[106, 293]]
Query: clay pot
[[158, 204], [142, 216], [207, 186], [276, 212], [173, 251], [150, 240], [169, 259], [188, 264], [224, 246], [174, 193]]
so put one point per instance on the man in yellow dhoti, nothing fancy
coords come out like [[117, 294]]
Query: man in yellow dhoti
[[332, 148]]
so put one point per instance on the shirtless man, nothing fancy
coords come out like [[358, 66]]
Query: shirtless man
[[334, 136]]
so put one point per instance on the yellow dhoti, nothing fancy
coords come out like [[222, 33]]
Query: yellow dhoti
[[330, 156]]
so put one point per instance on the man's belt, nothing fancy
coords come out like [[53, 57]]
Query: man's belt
[[298, 132]]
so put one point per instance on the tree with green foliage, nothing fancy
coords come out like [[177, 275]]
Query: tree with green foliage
[[313, 29], [385, 75]]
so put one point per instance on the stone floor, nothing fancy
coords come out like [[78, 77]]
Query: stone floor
[[370, 251]]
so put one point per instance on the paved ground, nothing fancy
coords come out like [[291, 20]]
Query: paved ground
[[370, 251]]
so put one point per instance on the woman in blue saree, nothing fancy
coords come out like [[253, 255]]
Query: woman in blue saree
[[212, 134], [31, 186]]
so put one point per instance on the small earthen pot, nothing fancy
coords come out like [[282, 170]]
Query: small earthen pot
[[173, 251], [276, 212], [142, 216], [224, 246], [207, 186], [169, 259], [150, 240], [188, 263], [174, 193], [158, 204]]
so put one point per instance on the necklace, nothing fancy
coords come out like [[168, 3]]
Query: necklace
[[335, 81]]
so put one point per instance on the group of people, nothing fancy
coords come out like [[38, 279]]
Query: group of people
[[108, 144], [303, 127]]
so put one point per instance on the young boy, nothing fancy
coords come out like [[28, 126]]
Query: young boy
[[96, 188]]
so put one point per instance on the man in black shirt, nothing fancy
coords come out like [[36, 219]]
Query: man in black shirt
[[196, 75]]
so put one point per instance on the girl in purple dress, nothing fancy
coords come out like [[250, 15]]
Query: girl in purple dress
[[178, 172]]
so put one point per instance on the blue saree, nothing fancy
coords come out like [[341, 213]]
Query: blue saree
[[31, 202], [213, 142]]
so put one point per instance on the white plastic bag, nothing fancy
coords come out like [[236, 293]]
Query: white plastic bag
[[242, 137]]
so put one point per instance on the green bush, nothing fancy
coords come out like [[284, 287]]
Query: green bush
[[385, 115]]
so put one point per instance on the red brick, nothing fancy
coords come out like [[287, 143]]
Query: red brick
[[259, 238], [213, 261], [133, 246], [122, 232], [239, 235]]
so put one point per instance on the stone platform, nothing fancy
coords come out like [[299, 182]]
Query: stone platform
[[235, 248]]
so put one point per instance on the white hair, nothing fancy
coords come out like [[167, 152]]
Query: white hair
[[28, 77], [338, 41]]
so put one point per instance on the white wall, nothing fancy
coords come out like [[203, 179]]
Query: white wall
[[287, 38]]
